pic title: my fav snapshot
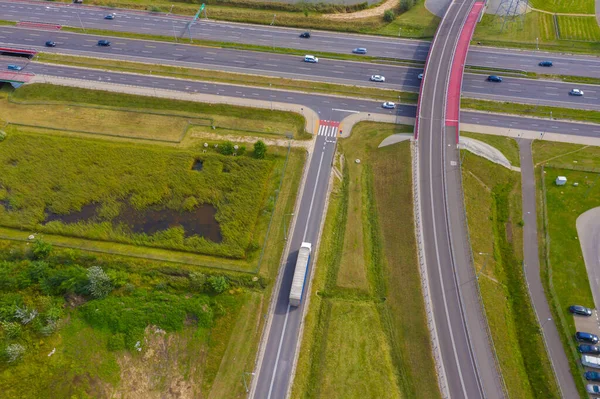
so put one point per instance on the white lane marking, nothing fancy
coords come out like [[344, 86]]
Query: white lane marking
[[345, 110]]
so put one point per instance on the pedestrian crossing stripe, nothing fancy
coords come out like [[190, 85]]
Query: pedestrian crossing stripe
[[328, 128]]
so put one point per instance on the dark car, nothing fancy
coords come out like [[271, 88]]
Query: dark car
[[103, 43], [109, 16], [589, 349], [545, 63], [360, 50], [592, 375], [580, 310], [305, 35], [494, 78], [50, 43], [586, 337]]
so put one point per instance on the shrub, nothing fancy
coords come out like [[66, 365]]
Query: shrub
[[100, 284], [226, 148], [24, 315], [41, 249], [218, 284], [11, 329], [13, 352], [260, 149], [116, 342], [389, 16], [241, 150], [2, 135], [406, 5], [197, 281]]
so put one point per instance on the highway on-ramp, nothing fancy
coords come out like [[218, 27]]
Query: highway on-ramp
[[273, 36]]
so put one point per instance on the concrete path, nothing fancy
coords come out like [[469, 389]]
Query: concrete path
[[486, 151], [437, 7], [588, 230], [554, 346], [395, 138]]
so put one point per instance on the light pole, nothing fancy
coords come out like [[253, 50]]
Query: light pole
[[537, 43], [547, 320], [244, 378], [284, 229], [484, 263]]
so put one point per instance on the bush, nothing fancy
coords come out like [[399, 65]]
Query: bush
[[260, 149], [389, 16], [197, 281], [2, 135], [218, 284], [13, 352], [11, 329], [226, 148], [100, 284], [41, 249], [406, 5], [116, 342]]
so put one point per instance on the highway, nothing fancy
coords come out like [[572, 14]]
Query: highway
[[467, 359], [160, 24], [531, 91]]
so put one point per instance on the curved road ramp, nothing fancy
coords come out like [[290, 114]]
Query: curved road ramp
[[467, 366]]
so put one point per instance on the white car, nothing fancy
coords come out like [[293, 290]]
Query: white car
[[311, 58], [593, 389], [377, 78], [420, 76], [576, 92], [389, 105]]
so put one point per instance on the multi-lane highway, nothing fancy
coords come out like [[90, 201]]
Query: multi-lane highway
[[541, 92], [161, 24]]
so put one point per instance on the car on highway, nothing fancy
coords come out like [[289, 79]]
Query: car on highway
[[305, 35], [494, 78], [586, 337], [420, 76], [103, 43], [50, 43], [14, 67], [580, 310], [589, 349], [311, 58], [109, 16], [389, 105], [360, 50], [377, 78], [545, 63], [576, 92], [593, 389], [592, 375]]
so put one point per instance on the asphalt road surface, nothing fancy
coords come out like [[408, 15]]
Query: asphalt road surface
[[160, 24], [539, 92], [466, 356]]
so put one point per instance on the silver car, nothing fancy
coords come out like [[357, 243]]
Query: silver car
[[389, 105], [377, 78]]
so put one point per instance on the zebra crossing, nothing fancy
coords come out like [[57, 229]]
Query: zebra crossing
[[328, 128]]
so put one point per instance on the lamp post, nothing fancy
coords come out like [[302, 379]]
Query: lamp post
[[244, 378], [484, 263], [284, 228]]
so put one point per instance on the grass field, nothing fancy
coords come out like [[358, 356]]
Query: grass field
[[565, 6], [393, 305], [493, 202], [187, 346], [417, 22], [505, 145], [579, 28]]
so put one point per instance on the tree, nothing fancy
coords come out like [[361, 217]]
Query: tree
[[41, 249], [100, 284], [14, 352], [226, 148], [388, 16], [219, 284], [260, 149]]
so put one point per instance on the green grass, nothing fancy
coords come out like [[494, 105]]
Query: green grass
[[394, 287], [579, 28], [417, 23], [227, 77], [505, 145], [552, 153], [565, 6], [493, 202], [537, 30]]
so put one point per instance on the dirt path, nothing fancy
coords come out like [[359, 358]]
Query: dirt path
[[370, 12]]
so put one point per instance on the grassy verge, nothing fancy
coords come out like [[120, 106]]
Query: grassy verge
[[493, 201], [540, 111], [505, 145], [565, 6], [395, 312], [230, 78], [578, 28]]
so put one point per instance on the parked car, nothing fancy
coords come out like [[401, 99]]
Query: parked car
[[50, 43], [545, 63], [109, 16], [580, 310], [420, 76], [360, 50], [305, 35], [589, 349], [576, 92], [494, 78], [586, 337], [14, 67], [592, 375], [311, 58], [103, 43], [377, 78], [593, 389], [389, 105]]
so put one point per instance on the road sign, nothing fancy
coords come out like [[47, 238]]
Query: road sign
[[199, 11]]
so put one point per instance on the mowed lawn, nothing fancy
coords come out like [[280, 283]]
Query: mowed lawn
[[579, 28], [565, 6]]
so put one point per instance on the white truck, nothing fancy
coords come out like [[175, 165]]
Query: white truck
[[590, 361], [300, 274]]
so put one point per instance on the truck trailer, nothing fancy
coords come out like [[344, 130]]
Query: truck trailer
[[300, 274]]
